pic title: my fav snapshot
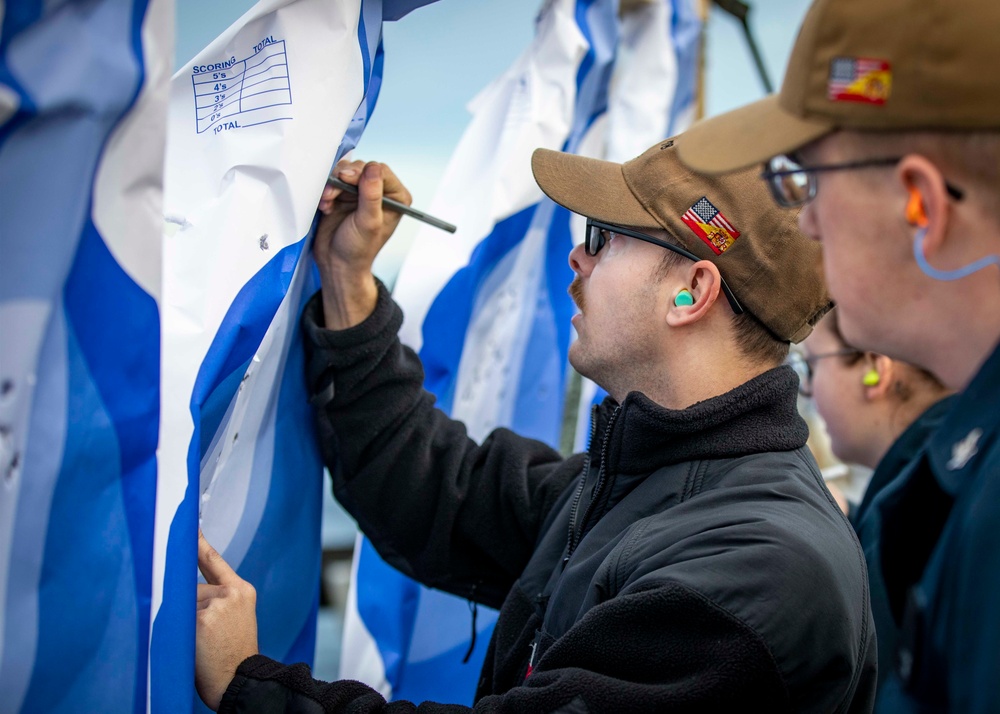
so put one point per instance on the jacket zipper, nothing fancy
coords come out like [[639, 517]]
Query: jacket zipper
[[601, 480], [579, 489], [574, 512], [534, 651]]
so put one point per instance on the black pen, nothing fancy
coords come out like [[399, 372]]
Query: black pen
[[396, 206]]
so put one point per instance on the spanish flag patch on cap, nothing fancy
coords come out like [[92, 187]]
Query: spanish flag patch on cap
[[859, 79], [710, 225]]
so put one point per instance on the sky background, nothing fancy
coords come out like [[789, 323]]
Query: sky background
[[438, 57]]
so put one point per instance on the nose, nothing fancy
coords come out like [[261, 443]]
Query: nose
[[807, 221], [580, 262]]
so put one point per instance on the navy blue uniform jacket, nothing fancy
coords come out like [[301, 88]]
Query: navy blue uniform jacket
[[933, 543]]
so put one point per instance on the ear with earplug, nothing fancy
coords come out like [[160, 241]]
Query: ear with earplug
[[684, 299], [871, 378], [915, 214]]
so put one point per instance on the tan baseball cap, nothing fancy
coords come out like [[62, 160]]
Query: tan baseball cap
[[868, 65], [773, 270]]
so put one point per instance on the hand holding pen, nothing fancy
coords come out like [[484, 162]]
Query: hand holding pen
[[393, 205], [353, 228], [397, 206]]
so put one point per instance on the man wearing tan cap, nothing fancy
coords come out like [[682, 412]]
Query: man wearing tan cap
[[692, 561], [887, 129]]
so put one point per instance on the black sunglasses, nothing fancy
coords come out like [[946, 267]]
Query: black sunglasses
[[595, 240]]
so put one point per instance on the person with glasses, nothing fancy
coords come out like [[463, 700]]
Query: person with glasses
[[887, 132], [691, 560], [878, 413]]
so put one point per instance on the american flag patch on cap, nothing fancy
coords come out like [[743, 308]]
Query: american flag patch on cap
[[859, 79], [710, 225]]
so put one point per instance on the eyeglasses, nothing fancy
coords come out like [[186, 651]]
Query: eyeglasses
[[793, 185], [596, 238], [805, 366]]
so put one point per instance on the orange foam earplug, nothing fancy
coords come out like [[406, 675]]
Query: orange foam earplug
[[915, 209]]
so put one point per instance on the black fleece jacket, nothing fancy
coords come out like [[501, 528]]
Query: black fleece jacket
[[692, 561]]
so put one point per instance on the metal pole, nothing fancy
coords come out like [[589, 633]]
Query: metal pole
[[740, 10]]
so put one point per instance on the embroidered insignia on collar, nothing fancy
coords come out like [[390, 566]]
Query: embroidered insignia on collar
[[859, 79], [964, 450], [710, 225]]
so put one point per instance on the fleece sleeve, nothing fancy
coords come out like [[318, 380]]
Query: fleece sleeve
[[456, 515], [661, 647]]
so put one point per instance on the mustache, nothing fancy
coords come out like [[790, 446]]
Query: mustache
[[575, 291]]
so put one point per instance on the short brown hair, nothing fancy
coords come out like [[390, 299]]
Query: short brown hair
[[971, 159], [753, 339]]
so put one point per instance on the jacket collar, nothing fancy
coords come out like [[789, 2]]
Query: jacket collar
[[760, 415], [969, 430], [906, 449]]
